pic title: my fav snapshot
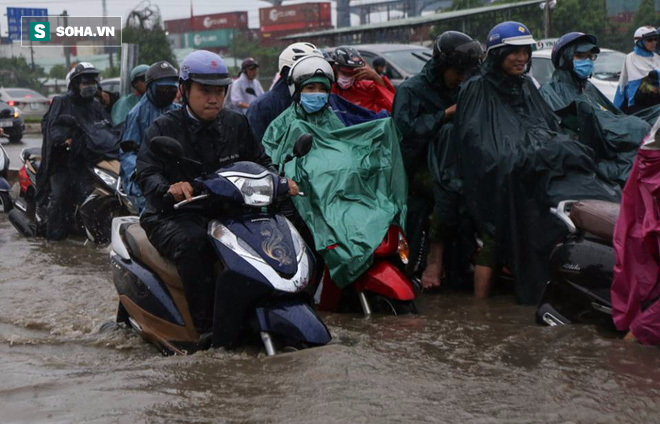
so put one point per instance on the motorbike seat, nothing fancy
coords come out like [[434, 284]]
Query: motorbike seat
[[110, 166], [144, 252], [597, 217]]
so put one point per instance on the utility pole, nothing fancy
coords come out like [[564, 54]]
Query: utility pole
[[546, 19], [67, 49], [108, 49]]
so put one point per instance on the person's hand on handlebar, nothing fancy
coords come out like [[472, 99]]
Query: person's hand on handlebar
[[293, 188], [181, 191]]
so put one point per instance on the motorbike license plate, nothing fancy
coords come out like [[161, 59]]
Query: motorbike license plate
[[6, 123], [34, 106]]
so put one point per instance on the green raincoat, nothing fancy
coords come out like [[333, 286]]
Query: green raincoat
[[613, 135], [354, 182], [122, 107]]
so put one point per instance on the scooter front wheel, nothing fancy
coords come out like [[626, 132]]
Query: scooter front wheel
[[387, 305]]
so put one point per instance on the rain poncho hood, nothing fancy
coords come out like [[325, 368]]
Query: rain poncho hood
[[137, 122], [354, 183], [238, 92], [613, 136], [368, 94], [515, 165], [636, 67], [122, 107], [636, 287]]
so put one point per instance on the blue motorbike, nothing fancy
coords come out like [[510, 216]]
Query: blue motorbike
[[262, 257]]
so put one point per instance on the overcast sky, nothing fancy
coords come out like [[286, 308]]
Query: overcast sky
[[170, 9]]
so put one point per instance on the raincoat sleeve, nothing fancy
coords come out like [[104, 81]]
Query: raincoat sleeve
[[416, 128], [57, 133], [388, 83], [150, 168]]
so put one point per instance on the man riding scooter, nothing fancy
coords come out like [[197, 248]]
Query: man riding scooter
[[213, 136], [62, 178]]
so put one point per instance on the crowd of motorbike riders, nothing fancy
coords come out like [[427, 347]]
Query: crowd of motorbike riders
[[485, 152]]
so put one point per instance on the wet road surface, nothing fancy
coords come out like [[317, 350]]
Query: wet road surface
[[460, 361]]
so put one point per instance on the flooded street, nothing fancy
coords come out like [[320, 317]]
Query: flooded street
[[460, 361]]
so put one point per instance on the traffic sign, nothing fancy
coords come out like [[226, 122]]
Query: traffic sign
[[14, 15]]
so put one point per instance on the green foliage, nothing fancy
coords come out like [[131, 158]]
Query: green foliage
[[111, 72], [153, 43], [242, 46], [646, 15], [16, 72], [58, 72]]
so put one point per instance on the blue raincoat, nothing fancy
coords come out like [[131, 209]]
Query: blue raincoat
[[637, 66], [137, 122]]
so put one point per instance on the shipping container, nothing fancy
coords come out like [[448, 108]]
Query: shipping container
[[214, 38], [295, 17], [178, 26], [231, 20], [273, 38]]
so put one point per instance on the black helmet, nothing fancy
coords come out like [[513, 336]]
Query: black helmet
[[160, 70], [347, 57], [83, 68], [457, 50]]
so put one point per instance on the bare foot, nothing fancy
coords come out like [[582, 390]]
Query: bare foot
[[433, 271], [630, 338], [431, 276]]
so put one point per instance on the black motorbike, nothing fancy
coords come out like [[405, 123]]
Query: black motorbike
[[106, 200], [264, 287], [581, 266]]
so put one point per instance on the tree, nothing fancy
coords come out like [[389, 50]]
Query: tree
[[15, 72], [646, 15], [242, 46], [144, 28], [58, 72]]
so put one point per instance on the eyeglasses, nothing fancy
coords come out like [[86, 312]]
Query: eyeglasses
[[585, 55]]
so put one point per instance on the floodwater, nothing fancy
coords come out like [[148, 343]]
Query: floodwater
[[460, 361]]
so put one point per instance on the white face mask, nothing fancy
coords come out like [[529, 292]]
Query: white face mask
[[345, 82]]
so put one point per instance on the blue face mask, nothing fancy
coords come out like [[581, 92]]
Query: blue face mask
[[583, 68], [313, 102]]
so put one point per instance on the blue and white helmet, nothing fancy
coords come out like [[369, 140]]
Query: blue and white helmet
[[204, 67], [509, 34]]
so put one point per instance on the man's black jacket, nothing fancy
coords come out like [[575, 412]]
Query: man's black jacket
[[227, 139]]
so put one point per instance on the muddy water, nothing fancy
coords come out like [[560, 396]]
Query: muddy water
[[459, 361]]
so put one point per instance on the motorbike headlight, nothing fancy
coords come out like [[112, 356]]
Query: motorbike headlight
[[109, 179], [17, 112], [403, 249], [255, 191]]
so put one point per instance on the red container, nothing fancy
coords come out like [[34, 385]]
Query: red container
[[178, 26], [295, 17], [238, 20]]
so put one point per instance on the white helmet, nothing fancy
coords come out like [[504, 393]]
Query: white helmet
[[645, 32], [295, 52], [306, 68]]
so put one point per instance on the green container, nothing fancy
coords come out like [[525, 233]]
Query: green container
[[215, 38]]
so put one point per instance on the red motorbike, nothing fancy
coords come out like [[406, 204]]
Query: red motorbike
[[382, 288]]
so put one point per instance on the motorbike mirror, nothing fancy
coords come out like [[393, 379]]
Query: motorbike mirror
[[251, 91], [67, 120], [129, 146], [167, 147], [303, 145]]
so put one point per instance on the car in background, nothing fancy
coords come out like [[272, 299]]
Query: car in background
[[11, 122], [29, 102], [403, 60], [607, 69], [111, 85]]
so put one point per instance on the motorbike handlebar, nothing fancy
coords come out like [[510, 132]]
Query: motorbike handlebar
[[192, 199]]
